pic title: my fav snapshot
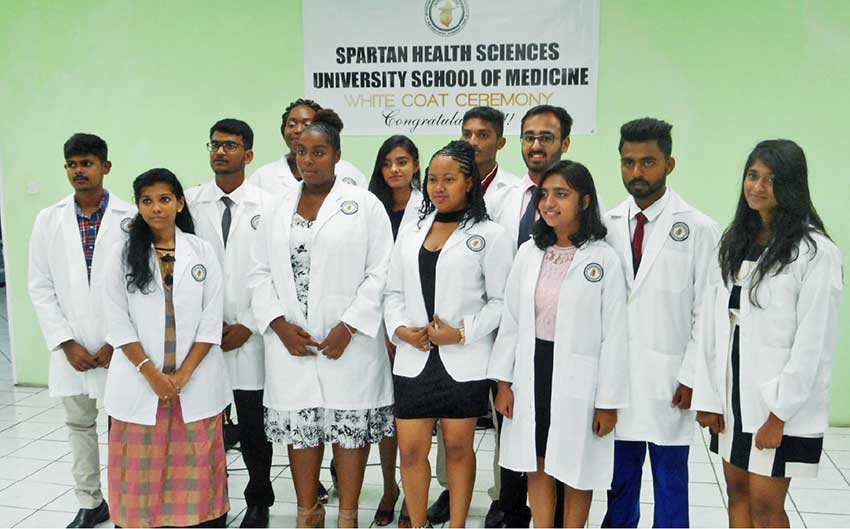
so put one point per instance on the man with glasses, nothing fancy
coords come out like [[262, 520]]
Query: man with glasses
[[545, 138], [227, 213]]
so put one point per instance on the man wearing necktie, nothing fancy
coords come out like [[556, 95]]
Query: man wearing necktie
[[227, 212], [665, 246]]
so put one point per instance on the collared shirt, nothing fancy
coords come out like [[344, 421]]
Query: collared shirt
[[651, 213], [487, 180], [89, 226], [528, 185], [237, 196]]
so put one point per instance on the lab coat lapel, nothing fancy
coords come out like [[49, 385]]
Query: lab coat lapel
[[280, 227], [75, 259], [183, 257], [622, 238], [660, 233], [416, 242], [329, 209]]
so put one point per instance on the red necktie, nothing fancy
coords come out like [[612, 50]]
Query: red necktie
[[637, 242]]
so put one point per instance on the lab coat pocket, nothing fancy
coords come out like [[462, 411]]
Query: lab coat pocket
[[662, 371], [581, 376]]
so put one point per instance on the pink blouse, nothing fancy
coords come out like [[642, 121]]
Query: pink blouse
[[556, 264]]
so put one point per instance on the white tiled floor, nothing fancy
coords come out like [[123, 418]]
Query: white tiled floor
[[36, 486]]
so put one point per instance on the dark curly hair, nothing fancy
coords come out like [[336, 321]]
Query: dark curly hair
[[328, 123], [591, 227], [463, 153], [377, 185], [137, 249], [297, 103], [794, 220]]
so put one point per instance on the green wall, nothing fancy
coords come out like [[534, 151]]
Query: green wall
[[151, 77]]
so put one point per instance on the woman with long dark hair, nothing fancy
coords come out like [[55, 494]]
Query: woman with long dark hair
[[166, 391], [443, 302], [320, 267], [767, 335], [560, 358], [396, 182]]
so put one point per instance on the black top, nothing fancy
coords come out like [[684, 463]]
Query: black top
[[427, 277], [395, 221]]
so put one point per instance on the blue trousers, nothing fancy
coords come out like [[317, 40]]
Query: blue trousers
[[669, 479]]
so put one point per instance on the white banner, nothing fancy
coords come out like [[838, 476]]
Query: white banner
[[415, 66]]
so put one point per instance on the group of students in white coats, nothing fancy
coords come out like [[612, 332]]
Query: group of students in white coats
[[604, 332]]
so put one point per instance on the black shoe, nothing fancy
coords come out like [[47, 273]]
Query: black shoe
[[256, 516], [440, 511], [322, 494], [91, 517], [495, 516]]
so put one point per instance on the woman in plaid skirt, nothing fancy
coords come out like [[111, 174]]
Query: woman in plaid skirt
[[167, 390]]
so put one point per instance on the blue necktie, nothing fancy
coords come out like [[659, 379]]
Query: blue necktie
[[527, 220]]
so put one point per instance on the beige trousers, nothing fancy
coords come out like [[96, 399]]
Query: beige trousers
[[81, 420]]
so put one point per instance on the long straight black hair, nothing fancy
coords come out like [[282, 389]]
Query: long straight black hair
[[138, 248], [377, 185], [794, 219], [590, 227], [463, 153]]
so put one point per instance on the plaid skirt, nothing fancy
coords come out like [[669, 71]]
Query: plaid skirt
[[171, 474]]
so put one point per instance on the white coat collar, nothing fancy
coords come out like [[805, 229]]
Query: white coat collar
[[211, 193]]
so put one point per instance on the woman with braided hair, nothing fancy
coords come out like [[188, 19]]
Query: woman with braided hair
[[278, 176], [442, 305]]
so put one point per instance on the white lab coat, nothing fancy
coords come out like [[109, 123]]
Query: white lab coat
[[68, 307], [276, 177], [590, 368], [787, 344], [245, 364], [139, 317], [349, 253], [411, 211], [664, 303], [470, 281], [496, 191]]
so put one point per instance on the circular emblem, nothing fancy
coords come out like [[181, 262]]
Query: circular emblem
[[255, 221], [199, 272], [349, 207], [476, 243], [680, 231], [446, 17], [125, 224], [348, 180], [594, 272]]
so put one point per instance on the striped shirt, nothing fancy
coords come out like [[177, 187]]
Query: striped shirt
[[89, 226]]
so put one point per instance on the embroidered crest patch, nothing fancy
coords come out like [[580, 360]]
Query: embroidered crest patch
[[255, 221], [594, 272], [680, 231], [125, 224], [349, 207], [476, 243], [199, 272], [348, 180]]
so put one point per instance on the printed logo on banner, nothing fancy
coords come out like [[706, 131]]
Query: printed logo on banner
[[446, 17], [594, 272], [680, 231]]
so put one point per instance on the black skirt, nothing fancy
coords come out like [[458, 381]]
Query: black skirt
[[543, 364]]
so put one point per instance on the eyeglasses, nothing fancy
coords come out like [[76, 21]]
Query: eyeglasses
[[229, 146], [545, 139]]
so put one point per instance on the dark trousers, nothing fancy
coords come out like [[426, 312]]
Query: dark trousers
[[513, 492], [669, 479], [256, 448]]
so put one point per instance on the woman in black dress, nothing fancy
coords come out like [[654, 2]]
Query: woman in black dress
[[443, 304]]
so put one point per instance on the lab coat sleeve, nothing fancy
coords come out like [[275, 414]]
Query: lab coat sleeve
[[496, 265], [706, 249], [395, 309], [612, 387], [706, 395], [209, 326], [817, 332], [503, 357], [366, 310], [265, 303], [116, 300], [54, 325]]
